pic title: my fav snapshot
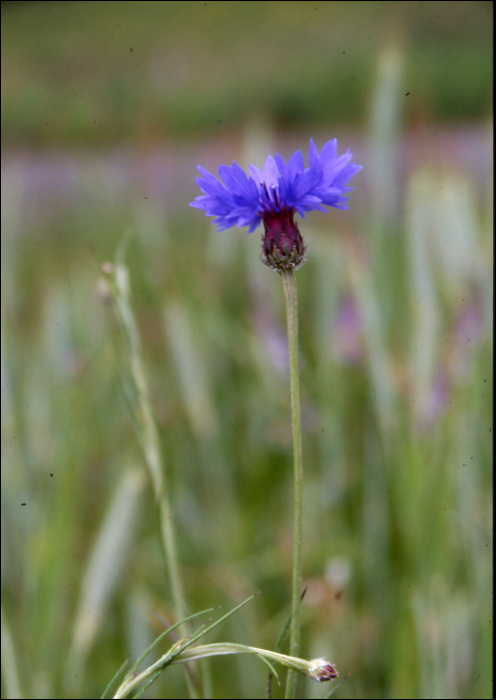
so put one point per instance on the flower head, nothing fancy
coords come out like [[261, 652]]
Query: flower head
[[321, 670], [273, 195]]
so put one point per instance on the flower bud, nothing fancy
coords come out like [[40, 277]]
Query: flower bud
[[282, 244], [322, 670]]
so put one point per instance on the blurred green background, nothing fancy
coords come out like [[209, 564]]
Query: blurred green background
[[107, 108]]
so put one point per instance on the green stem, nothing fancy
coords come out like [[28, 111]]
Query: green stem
[[149, 437], [290, 294], [150, 443]]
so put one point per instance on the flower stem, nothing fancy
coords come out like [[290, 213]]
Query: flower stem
[[148, 435], [291, 297], [150, 443]]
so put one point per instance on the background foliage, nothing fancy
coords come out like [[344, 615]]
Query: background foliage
[[107, 109]]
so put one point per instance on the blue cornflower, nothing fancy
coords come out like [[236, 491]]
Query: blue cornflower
[[275, 194]]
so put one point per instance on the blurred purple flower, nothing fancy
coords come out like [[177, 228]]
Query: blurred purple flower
[[275, 194], [454, 369], [467, 336], [348, 332], [273, 337], [438, 399], [469, 324]]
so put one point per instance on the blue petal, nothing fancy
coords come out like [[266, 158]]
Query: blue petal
[[240, 199], [270, 172]]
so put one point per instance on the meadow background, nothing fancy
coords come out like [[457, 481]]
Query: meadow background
[[107, 108]]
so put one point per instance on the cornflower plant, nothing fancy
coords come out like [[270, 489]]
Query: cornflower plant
[[273, 197]]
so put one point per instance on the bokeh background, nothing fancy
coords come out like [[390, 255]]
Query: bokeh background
[[107, 108]]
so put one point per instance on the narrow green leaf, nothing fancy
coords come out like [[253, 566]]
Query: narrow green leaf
[[273, 671], [178, 648], [148, 683], [114, 679], [164, 634], [201, 633], [279, 643]]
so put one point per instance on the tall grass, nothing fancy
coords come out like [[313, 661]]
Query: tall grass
[[396, 377]]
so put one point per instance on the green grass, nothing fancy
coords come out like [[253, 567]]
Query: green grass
[[396, 501], [395, 311]]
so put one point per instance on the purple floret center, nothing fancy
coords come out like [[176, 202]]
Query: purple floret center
[[280, 230]]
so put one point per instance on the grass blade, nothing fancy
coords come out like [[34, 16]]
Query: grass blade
[[114, 679]]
